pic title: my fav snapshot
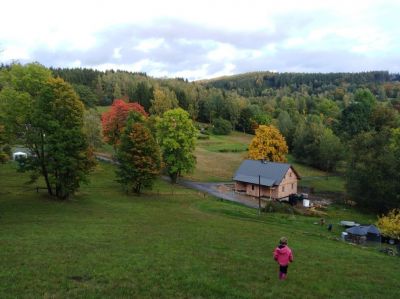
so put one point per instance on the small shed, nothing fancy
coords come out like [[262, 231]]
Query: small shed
[[363, 234]]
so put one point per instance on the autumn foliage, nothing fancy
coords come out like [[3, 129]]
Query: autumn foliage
[[114, 120], [268, 144], [390, 224]]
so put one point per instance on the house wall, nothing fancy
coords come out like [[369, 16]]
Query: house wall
[[252, 189], [240, 186], [287, 186]]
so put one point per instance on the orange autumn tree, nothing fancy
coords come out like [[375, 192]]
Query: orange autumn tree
[[268, 144], [114, 120]]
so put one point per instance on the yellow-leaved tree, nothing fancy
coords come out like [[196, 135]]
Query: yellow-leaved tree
[[390, 224], [268, 144]]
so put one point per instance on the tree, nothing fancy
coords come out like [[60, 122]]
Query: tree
[[4, 147], [389, 224], [286, 126], [221, 126], [143, 94], [139, 157], [86, 95], [114, 120], [372, 175], [92, 128], [356, 117], [268, 144], [316, 145], [164, 100], [330, 151], [245, 120], [54, 136], [177, 135]]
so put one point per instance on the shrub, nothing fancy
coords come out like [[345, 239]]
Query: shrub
[[221, 127]]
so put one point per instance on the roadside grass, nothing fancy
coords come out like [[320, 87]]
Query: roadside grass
[[172, 243]]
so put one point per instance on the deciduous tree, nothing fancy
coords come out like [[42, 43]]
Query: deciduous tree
[[114, 120], [139, 157], [164, 100], [92, 128], [54, 136], [4, 152], [372, 176], [177, 135], [268, 144], [389, 224]]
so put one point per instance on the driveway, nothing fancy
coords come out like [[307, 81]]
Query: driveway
[[221, 190]]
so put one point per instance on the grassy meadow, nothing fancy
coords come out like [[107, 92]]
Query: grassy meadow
[[172, 243]]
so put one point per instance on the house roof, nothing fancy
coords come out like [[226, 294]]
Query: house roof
[[271, 173], [363, 230]]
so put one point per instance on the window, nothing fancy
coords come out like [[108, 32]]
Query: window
[[283, 188], [292, 186], [252, 187], [290, 174]]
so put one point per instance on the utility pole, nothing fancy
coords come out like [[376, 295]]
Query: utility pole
[[259, 194]]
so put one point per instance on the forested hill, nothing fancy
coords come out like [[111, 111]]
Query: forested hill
[[258, 83]]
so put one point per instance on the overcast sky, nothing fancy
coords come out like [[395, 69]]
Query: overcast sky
[[202, 39]]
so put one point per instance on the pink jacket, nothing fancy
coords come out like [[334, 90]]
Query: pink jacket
[[283, 255]]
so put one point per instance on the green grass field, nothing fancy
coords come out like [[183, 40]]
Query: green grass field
[[172, 243]]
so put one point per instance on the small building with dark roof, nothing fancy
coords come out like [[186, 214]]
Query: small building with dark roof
[[276, 180]]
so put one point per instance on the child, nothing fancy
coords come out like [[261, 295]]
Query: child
[[283, 255]]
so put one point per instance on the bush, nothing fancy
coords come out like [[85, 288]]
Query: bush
[[221, 127]]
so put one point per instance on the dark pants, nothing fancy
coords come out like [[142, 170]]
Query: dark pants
[[283, 269]]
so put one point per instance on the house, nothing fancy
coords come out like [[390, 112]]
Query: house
[[276, 180]]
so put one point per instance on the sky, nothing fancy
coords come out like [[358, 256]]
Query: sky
[[203, 39]]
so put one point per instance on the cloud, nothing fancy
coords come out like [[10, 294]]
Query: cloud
[[206, 39]]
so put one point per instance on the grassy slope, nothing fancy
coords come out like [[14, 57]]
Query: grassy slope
[[106, 244]]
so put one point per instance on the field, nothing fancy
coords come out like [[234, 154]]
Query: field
[[172, 243], [220, 156]]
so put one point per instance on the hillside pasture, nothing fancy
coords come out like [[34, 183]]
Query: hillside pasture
[[172, 242]]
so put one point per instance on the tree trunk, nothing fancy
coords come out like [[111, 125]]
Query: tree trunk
[[45, 174], [174, 177]]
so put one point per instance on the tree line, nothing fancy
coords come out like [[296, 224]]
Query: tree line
[[330, 121]]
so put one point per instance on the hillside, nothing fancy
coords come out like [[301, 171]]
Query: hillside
[[258, 83], [172, 243]]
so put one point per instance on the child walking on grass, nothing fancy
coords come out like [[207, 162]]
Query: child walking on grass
[[283, 255]]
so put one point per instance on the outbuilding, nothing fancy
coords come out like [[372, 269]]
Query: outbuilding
[[363, 234]]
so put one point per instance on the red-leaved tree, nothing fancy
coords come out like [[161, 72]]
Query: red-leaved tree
[[114, 120]]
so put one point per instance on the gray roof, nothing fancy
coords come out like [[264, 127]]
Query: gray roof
[[271, 173], [363, 230]]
